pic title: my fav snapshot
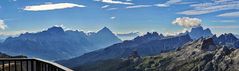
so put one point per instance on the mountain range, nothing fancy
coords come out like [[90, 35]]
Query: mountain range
[[55, 43], [77, 49], [128, 36], [147, 45], [198, 32], [150, 44], [199, 55], [228, 40]]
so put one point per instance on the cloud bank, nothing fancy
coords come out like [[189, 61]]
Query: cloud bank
[[225, 21], [210, 7], [187, 22], [2, 25], [112, 18], [114, 2], [224, 27], [51, 6], [231, 14], [105, 6], [139, 6]]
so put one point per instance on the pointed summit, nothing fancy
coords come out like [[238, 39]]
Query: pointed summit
[[105, 30], [104, 37]]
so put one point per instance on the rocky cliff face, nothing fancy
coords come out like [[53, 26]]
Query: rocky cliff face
[[199, 55], [229, 40], [198, 32]]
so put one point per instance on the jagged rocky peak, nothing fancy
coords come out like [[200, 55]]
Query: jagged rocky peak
[[161, 35], [55, 29], [208, 30], [198, 28], [150, 36], [228, 36], [226, 39], [206, 44], [198, 55], [198, 32], [105, 32], [154, 34]]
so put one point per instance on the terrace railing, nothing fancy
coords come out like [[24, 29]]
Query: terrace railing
[[25, 64]]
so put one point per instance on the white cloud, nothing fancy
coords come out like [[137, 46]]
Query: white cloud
[[128, 0], [225, 21], [224, 27], [177, 32], [221, 0], [3, 26], [172, 2], [115, 2], [16, 32], [105, 6], [138, 6], [210, 7], [168, 3], [161, 5], [51, 6], [187, 22], [112, 18], [195, 12], [231, 14], [112, 9]]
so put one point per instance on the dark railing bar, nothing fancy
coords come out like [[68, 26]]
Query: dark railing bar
[[9, 65], [32, 65], [49, 68], [15, 65], [45, 67], [27, 65], [21, 66], [37, 66], [3, 65], [40, 66], [52, 68]]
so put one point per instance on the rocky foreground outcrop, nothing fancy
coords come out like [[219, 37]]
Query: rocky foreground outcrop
[[199, 55]]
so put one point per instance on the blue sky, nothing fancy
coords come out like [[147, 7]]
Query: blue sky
[[121, 16]]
